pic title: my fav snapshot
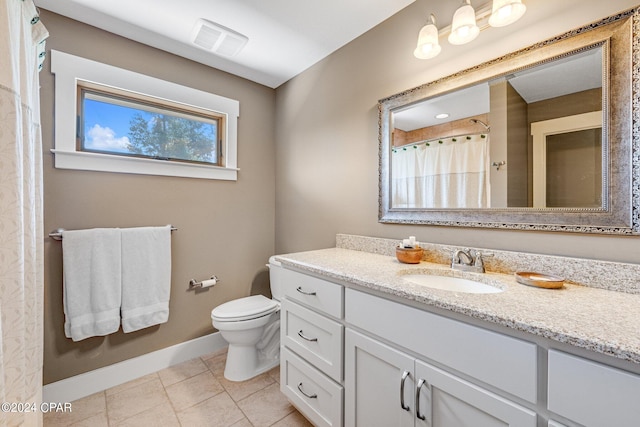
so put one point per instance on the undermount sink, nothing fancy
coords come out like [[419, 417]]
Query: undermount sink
[[453, 284]]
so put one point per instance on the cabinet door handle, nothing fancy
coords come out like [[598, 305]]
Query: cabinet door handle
[[304, 337], [299, 289], [421, 382], [405, 374], [310, 396]]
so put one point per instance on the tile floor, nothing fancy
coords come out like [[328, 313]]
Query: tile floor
[[190, 394]]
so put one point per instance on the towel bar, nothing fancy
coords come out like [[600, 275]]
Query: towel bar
[[57, 233]]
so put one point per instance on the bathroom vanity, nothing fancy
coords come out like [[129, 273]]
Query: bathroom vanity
[[361, 346]]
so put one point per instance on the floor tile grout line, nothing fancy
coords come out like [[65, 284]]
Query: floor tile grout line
[[207, 369], [276, 422], [137, 413], [243, 413]]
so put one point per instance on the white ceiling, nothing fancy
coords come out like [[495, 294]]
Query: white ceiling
[[468, 102], [569, 75], [285, 36]]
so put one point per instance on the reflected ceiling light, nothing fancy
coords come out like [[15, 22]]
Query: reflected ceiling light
[[463, 27], [442, 116], [428, 44], [505, 12], [467, 24]]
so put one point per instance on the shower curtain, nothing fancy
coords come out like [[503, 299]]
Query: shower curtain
[[22, 38], [446, 173]]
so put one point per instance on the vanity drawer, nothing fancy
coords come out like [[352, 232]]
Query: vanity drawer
[[507, 363], [592, 394], [319, 294], [316, 338], [316, 396]]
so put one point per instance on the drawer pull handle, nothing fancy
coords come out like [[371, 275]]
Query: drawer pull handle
[[310, 396], [421, 382], [304, 337], [405, 375], [299, 289]]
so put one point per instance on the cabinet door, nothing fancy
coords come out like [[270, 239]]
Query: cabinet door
[[445, 400], [375, 393], [592, 394]]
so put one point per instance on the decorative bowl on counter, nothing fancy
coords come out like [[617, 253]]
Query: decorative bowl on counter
[[539, 280], [409, 255]]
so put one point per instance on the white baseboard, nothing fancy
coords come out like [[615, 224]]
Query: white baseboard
[[83, 385]]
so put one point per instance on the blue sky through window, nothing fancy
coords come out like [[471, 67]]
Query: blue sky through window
[[107, 128]]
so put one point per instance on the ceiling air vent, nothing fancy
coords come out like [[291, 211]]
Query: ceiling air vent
[[217, 39]]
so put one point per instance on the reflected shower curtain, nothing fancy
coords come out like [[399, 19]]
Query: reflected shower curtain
[[21, 254], [450, 174]]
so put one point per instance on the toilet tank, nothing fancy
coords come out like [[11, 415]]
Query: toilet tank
[[275, 279]]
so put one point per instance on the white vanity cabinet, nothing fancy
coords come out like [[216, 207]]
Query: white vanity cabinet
[[592, 394], [311, 356], [386, 386]]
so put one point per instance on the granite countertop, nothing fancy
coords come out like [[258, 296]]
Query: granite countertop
[[599, 320]]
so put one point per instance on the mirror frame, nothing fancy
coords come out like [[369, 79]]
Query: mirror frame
[[621, 128]]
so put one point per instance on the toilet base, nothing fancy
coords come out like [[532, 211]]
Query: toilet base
[[244, 362]]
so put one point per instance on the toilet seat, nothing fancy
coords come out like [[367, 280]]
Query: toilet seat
[[244, 309]]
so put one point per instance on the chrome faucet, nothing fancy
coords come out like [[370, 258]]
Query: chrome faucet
[[468, 260]]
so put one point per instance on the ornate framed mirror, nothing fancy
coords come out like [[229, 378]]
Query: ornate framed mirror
[[540, 139]]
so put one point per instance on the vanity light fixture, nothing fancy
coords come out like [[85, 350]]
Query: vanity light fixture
[[428, 44], [467, 24], [463, 26]]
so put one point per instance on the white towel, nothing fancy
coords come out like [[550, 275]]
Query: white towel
[[92, 282], [146, 276]]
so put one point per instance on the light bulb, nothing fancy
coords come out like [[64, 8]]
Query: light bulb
[[463, 32], [505, 12]]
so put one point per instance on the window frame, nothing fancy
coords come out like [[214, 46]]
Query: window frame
[[71, 72]]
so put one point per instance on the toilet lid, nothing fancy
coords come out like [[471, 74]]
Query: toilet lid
[[244, 308]]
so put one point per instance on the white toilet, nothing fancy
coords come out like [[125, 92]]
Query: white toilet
[[251, 326]]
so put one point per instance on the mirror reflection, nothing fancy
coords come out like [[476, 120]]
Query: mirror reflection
[[531, 139]]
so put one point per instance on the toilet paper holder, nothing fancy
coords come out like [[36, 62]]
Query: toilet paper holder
[[193, 284]]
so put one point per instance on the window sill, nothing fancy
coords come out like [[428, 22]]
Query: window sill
[[118, 164]]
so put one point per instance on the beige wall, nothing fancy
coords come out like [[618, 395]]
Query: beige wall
[[224, 228], [327, 133], [517, 154], [498, 116]]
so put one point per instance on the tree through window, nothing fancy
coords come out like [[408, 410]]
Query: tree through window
[[133, 125]]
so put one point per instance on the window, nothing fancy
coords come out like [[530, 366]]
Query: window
[[124, 124], [120, 121]]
